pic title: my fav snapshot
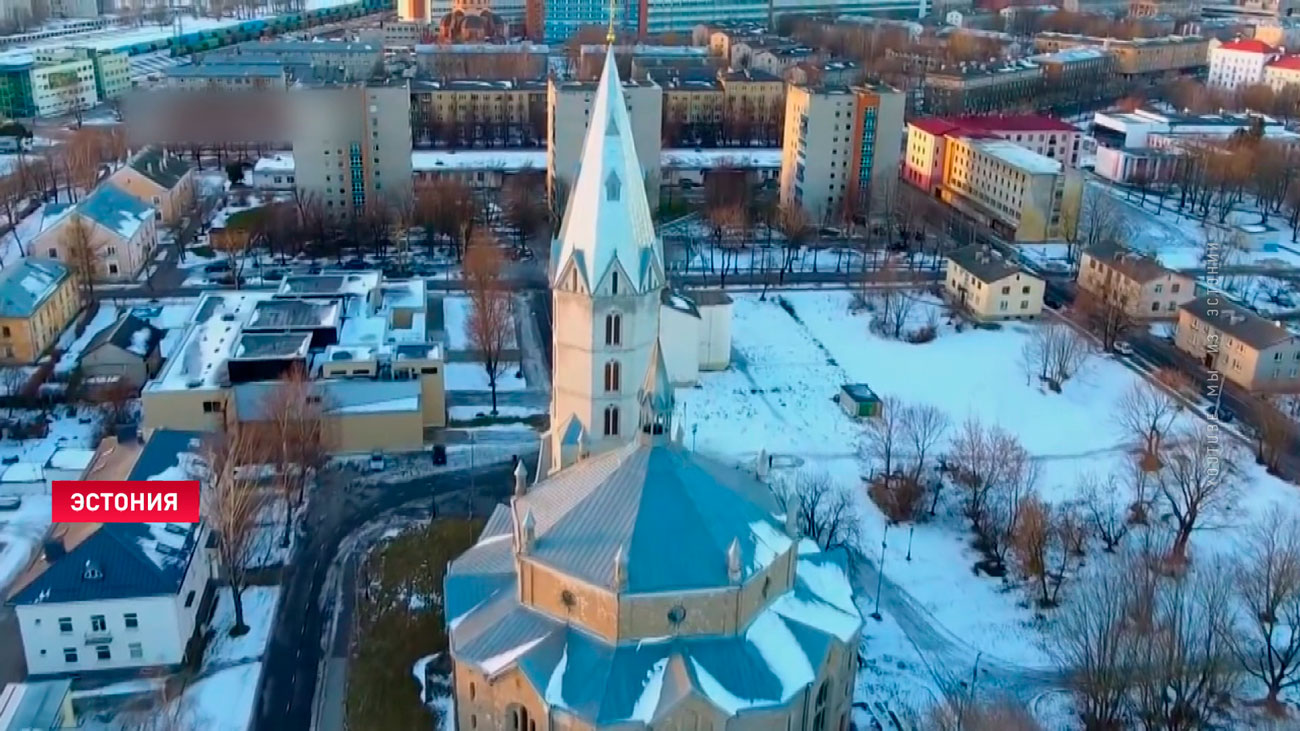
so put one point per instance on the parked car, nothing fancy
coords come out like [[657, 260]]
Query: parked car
[[356, 264], [10, 502], [217, 267], [1123, 348], [272, 275], [376, 461]]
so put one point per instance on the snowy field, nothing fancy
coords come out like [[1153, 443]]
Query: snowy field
[[785, 374], [473, 377], [455, 323]]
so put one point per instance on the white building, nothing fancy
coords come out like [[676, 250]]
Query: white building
[[1238, 64], [49, 83], [112, 596], [699, 324], [274, 173]]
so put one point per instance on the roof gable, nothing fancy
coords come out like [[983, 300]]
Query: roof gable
[[163, 170], [116, 210], [27, 283], [131, 335]]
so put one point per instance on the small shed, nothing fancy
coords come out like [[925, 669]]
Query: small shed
[[859, 401], [127, 350]]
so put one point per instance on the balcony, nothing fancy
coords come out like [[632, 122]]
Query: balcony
[[98, 637]]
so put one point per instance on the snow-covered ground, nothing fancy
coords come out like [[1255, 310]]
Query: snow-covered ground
[[259, 614], [473, 377], [172, 315], [21, 532], [455, 322], [778, 396]]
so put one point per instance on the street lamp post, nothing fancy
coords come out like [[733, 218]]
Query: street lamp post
[[910, 530], [880, 572]]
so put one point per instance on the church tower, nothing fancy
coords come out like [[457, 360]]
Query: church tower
[[607, 275]]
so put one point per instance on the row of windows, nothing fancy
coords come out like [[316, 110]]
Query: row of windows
[[99, 622], [103, 652]]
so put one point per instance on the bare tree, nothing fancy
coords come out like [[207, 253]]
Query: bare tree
[[885, 435], [490, 323], [1055, 353], [1197, 481], [524, 205], [1104, 509], [13, 379], [1272, 432], [924, 428], [1043, 544], [83, 247], [1147, 412], [967, 714], [1104, 313], [995, 471], [296, 440], [827, 514], [232, 507], [1267, 589]]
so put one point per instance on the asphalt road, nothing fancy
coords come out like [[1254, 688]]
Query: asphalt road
[[292, 661]]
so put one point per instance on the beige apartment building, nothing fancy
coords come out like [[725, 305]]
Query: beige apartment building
[[1137, 283], [1252, 352], [1283, 72], [989, 286], [1024, 196], [568, 114], [352, 144], [38, 298], [470, 113], [841, 149], [361, 339], [1138, 56], [159, 179]]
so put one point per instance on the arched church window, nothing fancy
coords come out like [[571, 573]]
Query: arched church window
[[614, 329], [611, 421], [612, 376], [819, 720], [613, 283]]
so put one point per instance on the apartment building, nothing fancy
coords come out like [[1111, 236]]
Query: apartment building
[[47, 84], [981, 88], [111, 227], [481, 61], [112, 71], [554, 22], [1282, 72], [471, 114], [1077, 78], [1024, 196], [1238, 64], [361, 339], [841, 148], [568, 114], [1136, 283], [352, 144], [346, 60], [1252, 352], [240, 74], [1250, 9], [1137, 57], [990, 287], [38, 298], [1047, 136], [161, 180]]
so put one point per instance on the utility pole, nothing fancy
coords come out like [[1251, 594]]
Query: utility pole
[[880, 573]]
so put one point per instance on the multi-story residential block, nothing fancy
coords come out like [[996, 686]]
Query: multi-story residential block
[[1238, 64], [1137, 57], [777, 60], [568, 114], [1044, 135], [1144, 145], [110, 227], [38, 298], [47, 84], [1163, 8], [473, 114], [481, 61], [1077, 78], [1137, 284], [1022, 195], [362, 341], [345, 60], [981, 89], [352, 144], [229, 75], [161, 180], [1282, 72], [832, 71], [990, 286], [841, 149], [1250, 9], [693, 108], [757, 99], [1252, 352]]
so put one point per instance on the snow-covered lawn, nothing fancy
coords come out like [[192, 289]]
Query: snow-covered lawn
[[467, 413], [259, 614], [455, 322], [21, 532], [779, 396], [473, 377], [223, 701]]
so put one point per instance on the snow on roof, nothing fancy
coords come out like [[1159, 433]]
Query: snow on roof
[[23, 472], [68, 458], [504, 160], [274, 163], [26, 284], [200, 361], [718, 158], [1249, 46], [116, 210], [1016, 156]]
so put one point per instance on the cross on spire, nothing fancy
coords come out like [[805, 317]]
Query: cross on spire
[[613, 10]]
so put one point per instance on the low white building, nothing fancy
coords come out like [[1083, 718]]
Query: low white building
[[273, 173], [694, 333], [113, 596]]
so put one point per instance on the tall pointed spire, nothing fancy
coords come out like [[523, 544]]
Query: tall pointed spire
[[607, 220], [656, 396]]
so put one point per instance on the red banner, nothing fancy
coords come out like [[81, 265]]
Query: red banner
[[105, 501]]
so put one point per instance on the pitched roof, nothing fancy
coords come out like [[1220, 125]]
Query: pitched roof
[[1014, 123], [933, 125], [608, 216], [27, 283], [1239, 322], [116, 210], [1135, 266], [1289, 63], [165, 170], [984, 263], [129, 333], [1250, 45]]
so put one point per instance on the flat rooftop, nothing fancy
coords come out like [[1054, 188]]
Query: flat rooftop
[[1021, 158], [329, 283], [270, 346], [294, 314]]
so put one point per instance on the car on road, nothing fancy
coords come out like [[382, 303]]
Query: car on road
[[10, 502], [376, 461], [1123, 348]]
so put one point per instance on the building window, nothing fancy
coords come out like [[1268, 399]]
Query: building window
[[1155, 306], [103, 652], [98, 623], [69, 654], [613, 283], [65, 625], [189, 599], [612, 376], [136, 650], [819, 720], [131, 620], [5, 330], [54, 253], [611, 421], [1002, 305], [613, 329]]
